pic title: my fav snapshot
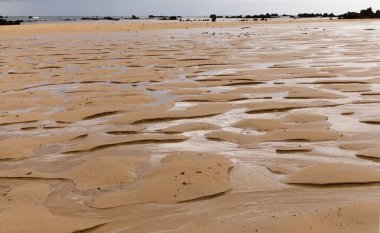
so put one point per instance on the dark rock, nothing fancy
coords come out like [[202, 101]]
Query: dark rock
[[97, 18], [364, 14], [265, 16], [90, 18], [110, 18], [171, 17], [312, 15], [213, 17], [6, 22]]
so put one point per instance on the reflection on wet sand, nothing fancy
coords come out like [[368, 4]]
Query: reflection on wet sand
[[268, 128]]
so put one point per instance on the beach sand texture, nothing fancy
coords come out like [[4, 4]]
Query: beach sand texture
[[190, 127]]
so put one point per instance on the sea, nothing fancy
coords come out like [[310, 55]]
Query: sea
[[55, 19]]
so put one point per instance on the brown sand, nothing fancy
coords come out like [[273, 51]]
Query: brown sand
[[182, 176], [269, 127], [340, 173]]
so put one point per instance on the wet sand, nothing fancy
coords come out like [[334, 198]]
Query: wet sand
[[196, 127]]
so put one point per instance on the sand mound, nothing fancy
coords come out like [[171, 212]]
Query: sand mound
[[280, 106], [244, 141], [129, 129], [181, 176], [350, 218], [25, 147], [103, 172], [16, 148], [293, 149], [371, 153], [28, 213], [272, 106], [199, 111], [260, 125], [20, 118], [86, 113], [114, 170], [188, 127], [348, 87], [212, 97], [178, 87], [358, 145], [309, 135], [216, 82], [314, 94], [304, 118], [334, 173], [100, 142], [263, 125]]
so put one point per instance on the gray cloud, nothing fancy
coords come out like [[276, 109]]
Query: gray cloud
[[178, 7]]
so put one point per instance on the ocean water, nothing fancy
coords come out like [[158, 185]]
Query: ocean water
[[39, 19], [54, 19]]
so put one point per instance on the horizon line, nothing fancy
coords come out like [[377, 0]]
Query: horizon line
[[147, 15]]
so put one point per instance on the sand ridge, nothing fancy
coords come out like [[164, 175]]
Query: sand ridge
[[328, 173], [181, 176]]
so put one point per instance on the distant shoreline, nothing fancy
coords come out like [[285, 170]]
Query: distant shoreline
[[363, 14], [17, 20], [128, 26]]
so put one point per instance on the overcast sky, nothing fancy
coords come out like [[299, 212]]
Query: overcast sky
[[177, 7]]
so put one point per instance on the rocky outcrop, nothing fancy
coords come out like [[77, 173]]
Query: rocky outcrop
[[6, 22], [97, 18], [364, 14]]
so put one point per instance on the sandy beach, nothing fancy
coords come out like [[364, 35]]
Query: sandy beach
[[193, 127]]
